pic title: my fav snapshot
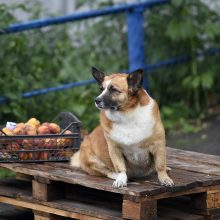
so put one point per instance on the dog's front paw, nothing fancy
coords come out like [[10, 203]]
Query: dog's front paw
[[121, 180], [166, 181]]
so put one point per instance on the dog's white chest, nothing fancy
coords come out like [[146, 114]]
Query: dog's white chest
[[133, 127]]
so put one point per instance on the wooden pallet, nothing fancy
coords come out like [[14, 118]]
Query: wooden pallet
[[58, 191]]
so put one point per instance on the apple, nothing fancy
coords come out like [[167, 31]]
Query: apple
[[50, 143], [21, 124], [43, 129], [60, 142], [54, 128], [44, 155], [39, 143], [33, 155], [68, 141], [30, 155], [30, 130], [27, 143], [46, 124], [23, 156], [19, 130], [13, 147]]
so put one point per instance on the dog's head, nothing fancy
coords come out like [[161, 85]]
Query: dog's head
[[117, 90]]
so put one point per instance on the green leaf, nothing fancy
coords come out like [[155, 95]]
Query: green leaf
[[191, 82], [207, 80], [211, 29], [181, 30], [195, 83]]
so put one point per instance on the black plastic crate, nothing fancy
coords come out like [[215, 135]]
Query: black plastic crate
[[48, 147]]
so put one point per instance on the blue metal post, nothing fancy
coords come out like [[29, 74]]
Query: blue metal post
[[135, 22]]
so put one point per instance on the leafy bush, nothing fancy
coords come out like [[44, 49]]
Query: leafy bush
[[65, 53], [189, 28], [48, 57]]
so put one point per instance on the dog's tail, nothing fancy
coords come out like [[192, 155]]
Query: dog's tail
[[75, 159]]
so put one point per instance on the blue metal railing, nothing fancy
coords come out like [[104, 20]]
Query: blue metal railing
[[148, 67], [81, 16], [136, 55]]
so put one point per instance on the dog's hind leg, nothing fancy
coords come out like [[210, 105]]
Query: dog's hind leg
[[101, 168]]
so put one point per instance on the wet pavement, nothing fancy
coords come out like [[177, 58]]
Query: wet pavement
[[204, 141]]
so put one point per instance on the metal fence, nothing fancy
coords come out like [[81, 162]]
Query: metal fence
[[135, 21]]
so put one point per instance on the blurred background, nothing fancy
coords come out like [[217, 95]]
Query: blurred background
[[188, 92]]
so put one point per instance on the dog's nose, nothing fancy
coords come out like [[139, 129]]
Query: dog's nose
[[98, 101]]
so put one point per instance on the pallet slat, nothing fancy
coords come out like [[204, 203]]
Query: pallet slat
[[147, 187]]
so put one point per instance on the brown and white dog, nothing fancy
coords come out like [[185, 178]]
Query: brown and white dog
[[130, 140]]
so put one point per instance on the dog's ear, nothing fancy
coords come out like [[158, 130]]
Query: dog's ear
[[135, 79], [98, 75]]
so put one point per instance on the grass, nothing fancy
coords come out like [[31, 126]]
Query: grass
[[6, 173]]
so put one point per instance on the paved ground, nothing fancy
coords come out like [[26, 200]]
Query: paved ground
[[205, 141]]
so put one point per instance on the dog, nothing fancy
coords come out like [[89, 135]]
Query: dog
[[130, 140]]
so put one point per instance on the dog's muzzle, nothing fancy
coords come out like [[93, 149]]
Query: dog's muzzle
[[99, 103]]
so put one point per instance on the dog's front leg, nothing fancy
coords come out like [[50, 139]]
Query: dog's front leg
[[159, 152], [118, 163]]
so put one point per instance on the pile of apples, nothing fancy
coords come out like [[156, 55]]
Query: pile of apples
[[33, 127]]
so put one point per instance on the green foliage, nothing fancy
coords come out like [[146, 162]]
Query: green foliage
[[6, 173], [175, 116], [186, 27], [64, 53], [51, 56]]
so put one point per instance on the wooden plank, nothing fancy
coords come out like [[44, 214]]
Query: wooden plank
[[42, 216], [193, 156], [217, 200], [148, 186], [64, 207], [48, 209], [139, 211], [46, 192], [75, 176], [47, 216], [193, 161], [164, 195], [195, 167], [24, 177], [94, 208], [189, 174]]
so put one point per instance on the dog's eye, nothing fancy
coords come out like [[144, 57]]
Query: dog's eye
[[101, 88], [113, 89]]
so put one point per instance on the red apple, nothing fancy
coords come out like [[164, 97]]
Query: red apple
[[44, 155], [43, 129], [54, 128]]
